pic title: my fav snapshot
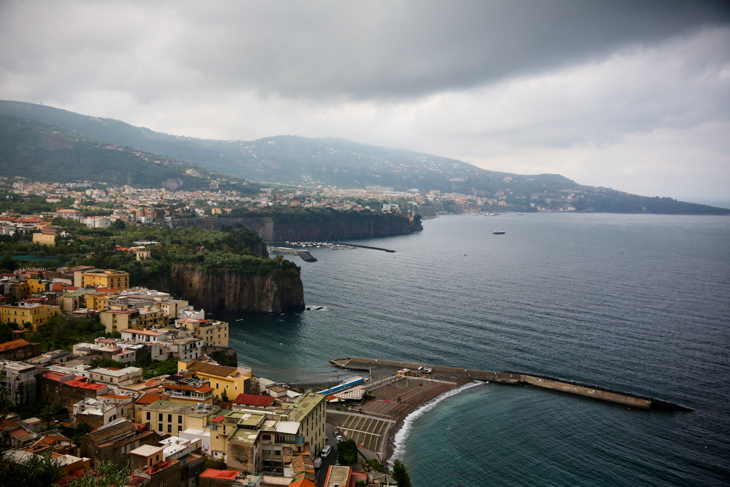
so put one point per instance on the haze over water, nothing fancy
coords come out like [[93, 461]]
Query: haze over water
[[638, 303]]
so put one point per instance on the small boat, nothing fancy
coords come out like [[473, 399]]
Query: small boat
[[499, 232]]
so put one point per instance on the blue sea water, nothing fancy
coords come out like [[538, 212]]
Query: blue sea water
[[638, 303]]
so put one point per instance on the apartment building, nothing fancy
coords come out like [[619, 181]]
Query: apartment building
[[28, 315]]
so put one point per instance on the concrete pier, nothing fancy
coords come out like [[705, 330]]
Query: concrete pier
[[381, 368]]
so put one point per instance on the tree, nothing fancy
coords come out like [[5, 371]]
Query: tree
[[400, 474], [119, 224], [224, 396], [106, 475], [347, 452], [8, 264], [36, 470]]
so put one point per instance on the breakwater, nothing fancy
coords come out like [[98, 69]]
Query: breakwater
[[369, 247], [383, 367]]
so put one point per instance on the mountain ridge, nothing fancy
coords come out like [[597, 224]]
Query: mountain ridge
[[329, 161]]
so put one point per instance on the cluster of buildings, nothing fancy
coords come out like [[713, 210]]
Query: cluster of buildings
[[165, 426]]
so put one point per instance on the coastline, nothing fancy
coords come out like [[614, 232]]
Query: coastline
[[403, 402], [396, 444]]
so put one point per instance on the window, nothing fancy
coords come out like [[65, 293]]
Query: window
[[160, 417], [169, 418], [148, 415], [169, 428], [179, 419]]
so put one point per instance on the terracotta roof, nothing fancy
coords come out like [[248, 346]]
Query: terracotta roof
[[219, 370], [220, 474], [12, 345], [150, 398], [50, 440], [254, 400]]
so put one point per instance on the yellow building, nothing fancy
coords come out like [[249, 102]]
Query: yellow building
[[212, 332], [109, 278], [45, 238], [149, 317], [172, 416], [229, 379], [310, 411], [119, 320], [28, 315], [38, 286], [97, 301]]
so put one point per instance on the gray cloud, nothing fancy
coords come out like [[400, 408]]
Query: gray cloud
[[529, 86]]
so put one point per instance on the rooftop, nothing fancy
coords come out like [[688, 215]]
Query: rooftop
[[220, 474], [254, 400], [303, 406], [147, 450]]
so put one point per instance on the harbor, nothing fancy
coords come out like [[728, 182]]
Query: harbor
[[380, 369]]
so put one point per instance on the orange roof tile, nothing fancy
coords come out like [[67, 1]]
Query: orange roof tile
[[150, 398], [12, 345]]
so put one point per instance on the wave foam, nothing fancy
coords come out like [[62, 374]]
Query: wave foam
[[401, 436]]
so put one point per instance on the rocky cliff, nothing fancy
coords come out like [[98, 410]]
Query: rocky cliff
[[235, 290], [318, 226]]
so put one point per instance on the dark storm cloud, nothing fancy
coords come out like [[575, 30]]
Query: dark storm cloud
[[373, 49]]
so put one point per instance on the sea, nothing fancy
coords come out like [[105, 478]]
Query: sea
[[636, 303]]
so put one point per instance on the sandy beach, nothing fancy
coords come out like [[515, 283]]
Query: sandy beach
[[392, 402]]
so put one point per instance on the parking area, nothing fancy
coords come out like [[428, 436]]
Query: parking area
[[367, 431]]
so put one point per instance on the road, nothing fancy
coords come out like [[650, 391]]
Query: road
[[321, 473]]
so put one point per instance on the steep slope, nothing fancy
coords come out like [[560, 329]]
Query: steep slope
[[44, 152], [300, 160]]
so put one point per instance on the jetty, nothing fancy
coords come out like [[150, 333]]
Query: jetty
[[381, 369], [368, 247], [306, 256]]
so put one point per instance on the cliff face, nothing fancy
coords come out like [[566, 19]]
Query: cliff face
[[318, 227], [342, 228], [232, 290]]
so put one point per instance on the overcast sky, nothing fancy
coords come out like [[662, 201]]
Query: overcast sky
[[628, 94]]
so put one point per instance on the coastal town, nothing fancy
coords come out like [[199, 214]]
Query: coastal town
[[202, 423], [145, 205], [151, 387]]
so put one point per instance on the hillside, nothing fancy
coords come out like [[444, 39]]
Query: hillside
[[300, 160], [112, 151], [43, 152]]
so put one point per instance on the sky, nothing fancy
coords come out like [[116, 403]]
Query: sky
[[632, 95]]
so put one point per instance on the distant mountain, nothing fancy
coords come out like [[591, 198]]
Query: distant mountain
[[300, 160], [43, 152], [151, 158]]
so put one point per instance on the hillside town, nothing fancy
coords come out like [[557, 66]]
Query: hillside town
[[145, 205], [203, 423]]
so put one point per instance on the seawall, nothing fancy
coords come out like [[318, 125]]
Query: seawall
[[381, 368]]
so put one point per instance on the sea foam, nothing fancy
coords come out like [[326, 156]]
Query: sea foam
[[401, 436]]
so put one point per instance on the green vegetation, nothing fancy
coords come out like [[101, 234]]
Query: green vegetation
[[153, 369], [29, 205], [44, 471], [369, 465], [76, 433], [400, 474], [234, 248], [37, 470], [224, 359], [347, 452], [62, 332]]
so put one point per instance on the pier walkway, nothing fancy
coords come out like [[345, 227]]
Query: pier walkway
[[383, 368]]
